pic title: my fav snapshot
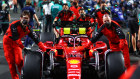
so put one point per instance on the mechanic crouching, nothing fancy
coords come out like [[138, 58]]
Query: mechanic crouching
[[12, 43], [116, 37]]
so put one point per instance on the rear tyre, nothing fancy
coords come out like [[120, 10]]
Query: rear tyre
[[114, 65], [32, 65]]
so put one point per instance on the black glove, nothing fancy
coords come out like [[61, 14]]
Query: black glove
[[25, 50], [13, 38], [55, 24]]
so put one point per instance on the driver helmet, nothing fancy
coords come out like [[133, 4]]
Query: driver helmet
[[77, 41]]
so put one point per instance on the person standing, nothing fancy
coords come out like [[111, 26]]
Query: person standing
[[6, 17], [29, 8], [132, 18], [40, 8], [21, 3], [55, 9], [47, 12], [15, 6]]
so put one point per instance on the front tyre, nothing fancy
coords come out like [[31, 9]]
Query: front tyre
[[114, 66]]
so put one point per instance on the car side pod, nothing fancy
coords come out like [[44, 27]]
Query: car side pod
[[114, 64], [32, 65]]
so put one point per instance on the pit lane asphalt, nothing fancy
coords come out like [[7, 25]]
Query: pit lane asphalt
[[4, 68]]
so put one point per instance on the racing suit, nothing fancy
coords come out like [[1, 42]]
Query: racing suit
[[13, 46], [117, 41], [65, 16], [76, 11], [99, 15], [87, 18]]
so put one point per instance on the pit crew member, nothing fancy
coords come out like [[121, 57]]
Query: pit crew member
[[100, 12], [12, 43], [116, 37], [63, 15], [85, 17]]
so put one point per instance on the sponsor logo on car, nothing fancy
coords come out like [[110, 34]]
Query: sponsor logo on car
[[74, 61], [73, 66]]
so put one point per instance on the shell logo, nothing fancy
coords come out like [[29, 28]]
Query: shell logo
[[73, 61]]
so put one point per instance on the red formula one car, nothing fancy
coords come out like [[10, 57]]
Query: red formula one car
[[73, 57]]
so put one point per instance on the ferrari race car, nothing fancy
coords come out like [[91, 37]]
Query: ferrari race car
[[73, 57]]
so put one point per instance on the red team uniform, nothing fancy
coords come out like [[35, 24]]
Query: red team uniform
[[117, 41], [13, 46]]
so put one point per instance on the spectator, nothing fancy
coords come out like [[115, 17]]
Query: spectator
[[40, 7], [56, 8], [123, 6], [132, 18], [15, 6], [117, 15], [48, 15], [29, 8], [21, 3], [6, 17]]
